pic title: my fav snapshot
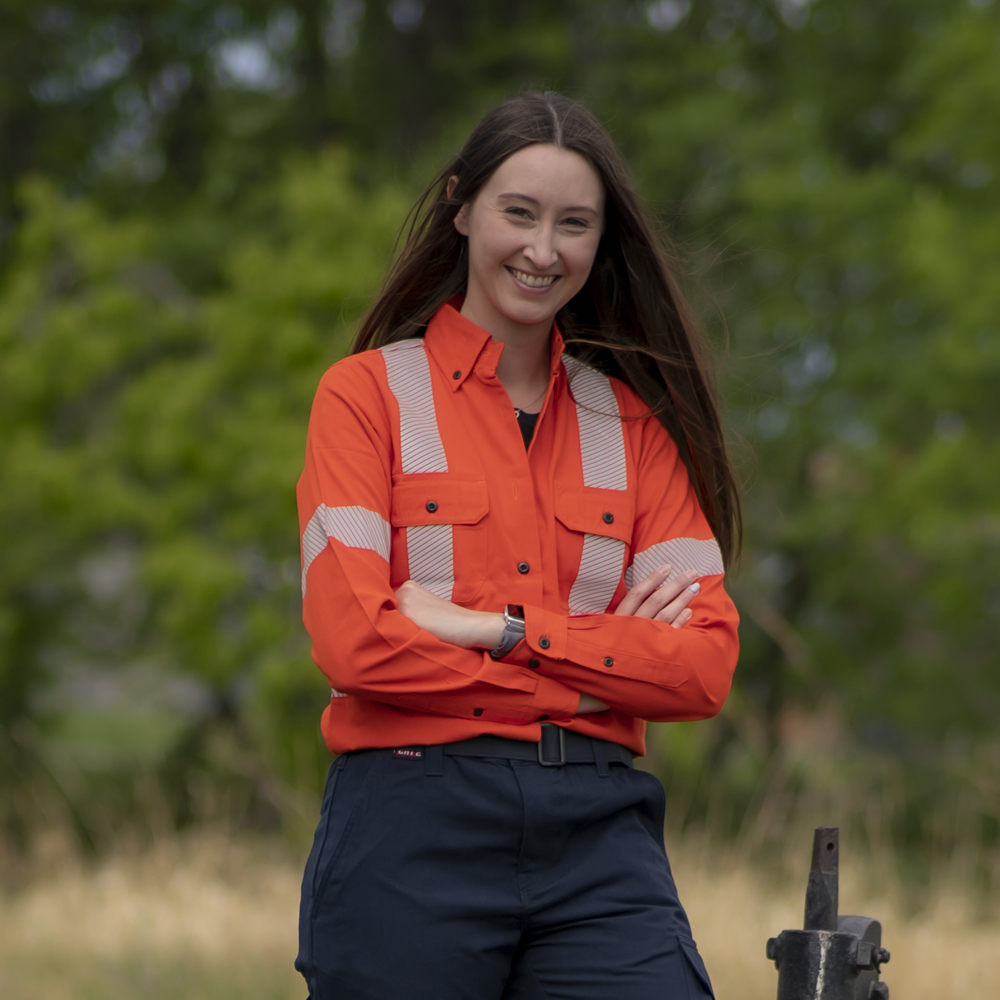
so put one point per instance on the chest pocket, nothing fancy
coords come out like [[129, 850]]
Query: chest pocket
[[604, 518], [442, 516]]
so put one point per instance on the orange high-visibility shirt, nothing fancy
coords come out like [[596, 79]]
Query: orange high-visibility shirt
[[416, 469]]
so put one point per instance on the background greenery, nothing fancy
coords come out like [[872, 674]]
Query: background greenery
[[198, 199]]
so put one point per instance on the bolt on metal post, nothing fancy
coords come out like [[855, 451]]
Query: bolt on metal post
[[832, 957]]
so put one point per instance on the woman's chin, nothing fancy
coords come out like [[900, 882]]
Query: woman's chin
[[532, 313]]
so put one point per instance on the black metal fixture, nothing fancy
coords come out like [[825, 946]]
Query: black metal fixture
[[832, 957]]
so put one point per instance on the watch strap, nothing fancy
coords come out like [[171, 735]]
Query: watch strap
[[513, 631]]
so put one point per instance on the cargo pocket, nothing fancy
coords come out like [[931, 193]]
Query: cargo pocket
[[701, 987], [602, 519], [441, 516]]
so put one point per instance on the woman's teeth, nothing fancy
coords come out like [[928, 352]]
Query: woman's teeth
[[531, 280]]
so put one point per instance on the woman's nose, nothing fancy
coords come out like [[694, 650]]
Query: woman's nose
[[541, 251]]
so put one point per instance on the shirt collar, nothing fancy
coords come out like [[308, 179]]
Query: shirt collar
[[458, 345], [455, 343]]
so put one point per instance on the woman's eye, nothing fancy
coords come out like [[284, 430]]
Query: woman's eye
[[575, 223], [520, 213]]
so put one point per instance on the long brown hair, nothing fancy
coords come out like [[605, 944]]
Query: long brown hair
[[630, 319]]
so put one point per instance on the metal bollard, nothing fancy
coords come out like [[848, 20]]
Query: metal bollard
[[832, 958]]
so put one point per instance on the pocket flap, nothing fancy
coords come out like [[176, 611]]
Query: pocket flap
[[595, 512], [438, 498]]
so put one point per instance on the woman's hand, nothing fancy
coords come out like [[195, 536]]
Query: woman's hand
[[462, 627], [449, 622], [650, 598], [666, 602]]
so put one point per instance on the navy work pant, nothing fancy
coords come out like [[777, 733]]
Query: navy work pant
[[457, 878]]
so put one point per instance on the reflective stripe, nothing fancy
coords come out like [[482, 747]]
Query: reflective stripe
[[334, 693], [602, 439], [355, 527], [702, 555], [431, 562], [598, 576], [409, 374], [602, 453], [429, 546]]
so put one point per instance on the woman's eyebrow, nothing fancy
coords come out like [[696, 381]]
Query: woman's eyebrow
[[535, 201]]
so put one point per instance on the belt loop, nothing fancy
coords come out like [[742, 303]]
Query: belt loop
[[434, 760], [601, 757]]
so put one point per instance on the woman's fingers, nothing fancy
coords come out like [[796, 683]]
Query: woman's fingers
[[634, 599], [662, 599], [667, 601], [669, 608], [589, 704], [682, 619]]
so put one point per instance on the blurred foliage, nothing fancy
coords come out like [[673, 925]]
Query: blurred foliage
[[151, 442], [223, 182]]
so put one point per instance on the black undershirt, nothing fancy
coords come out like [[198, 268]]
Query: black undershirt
[[527, 421]]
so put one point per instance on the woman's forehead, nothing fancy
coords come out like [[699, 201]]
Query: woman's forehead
[[543, 172]]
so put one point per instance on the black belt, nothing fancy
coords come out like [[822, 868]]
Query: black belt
[[557, 746]]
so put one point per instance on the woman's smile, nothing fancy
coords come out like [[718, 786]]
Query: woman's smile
[[536, 282], [533, 230]]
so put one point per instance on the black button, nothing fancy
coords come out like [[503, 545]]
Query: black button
[[544, 643], [543, 718], [477, 711], [523, 567], [431, 506], [456, 375], [608, 662], [534, 664], [609, 518]]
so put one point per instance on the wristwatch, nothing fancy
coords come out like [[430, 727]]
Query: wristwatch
[[513, 631]]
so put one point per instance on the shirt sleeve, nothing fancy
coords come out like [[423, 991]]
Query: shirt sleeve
[[361, 641], [638, 666]]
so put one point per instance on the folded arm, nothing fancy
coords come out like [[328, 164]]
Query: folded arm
[[362, 641]]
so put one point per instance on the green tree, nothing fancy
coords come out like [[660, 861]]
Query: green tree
[[149, 450], [160, 340]]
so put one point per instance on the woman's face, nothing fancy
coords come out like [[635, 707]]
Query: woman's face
[[533, 231]]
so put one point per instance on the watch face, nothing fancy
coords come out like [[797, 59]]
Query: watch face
[[515, 610]]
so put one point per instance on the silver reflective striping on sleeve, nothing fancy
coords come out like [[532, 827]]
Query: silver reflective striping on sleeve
[[431, 562], [701, 555], [409, 375], [602, 439], [598, 576], [355, 527], [334, 693]]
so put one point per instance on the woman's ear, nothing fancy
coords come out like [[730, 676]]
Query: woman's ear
[[462, 219]]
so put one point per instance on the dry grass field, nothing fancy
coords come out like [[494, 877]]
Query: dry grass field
[[213, 919]]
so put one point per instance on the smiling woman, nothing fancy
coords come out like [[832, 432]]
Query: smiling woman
[[515, 511], [533, 233]]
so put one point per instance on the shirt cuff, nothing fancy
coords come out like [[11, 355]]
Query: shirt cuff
[[554, 700], [545, 632], [546, 695]]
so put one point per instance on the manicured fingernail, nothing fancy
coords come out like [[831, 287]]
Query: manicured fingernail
[[694, 588]]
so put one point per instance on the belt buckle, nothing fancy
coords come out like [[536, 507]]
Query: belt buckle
[[562, 747]]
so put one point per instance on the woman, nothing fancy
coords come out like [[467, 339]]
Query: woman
[[515, 507]]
